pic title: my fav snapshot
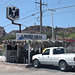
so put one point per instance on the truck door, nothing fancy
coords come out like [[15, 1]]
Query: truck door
[[46, 57]]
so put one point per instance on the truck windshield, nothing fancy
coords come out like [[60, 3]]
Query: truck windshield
[[58, 51]]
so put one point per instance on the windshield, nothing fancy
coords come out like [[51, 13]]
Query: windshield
[[58, 51]]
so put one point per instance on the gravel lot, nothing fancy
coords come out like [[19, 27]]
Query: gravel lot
[[20, 69], [10, 67]]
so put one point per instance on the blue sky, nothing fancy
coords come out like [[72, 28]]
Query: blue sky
[[62, 17]]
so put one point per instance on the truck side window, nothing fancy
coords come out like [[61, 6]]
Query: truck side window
[[46, 52], [58, 51]]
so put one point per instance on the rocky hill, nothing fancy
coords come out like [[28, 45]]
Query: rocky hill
[[45, 30], [67, 30], [2, 32], [36, 29]]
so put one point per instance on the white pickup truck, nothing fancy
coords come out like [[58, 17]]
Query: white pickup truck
[[55, 56]]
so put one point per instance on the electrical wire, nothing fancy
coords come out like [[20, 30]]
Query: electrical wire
[[7, 3], [12, 3], [2, 9], [24, 25], [47, 4], [65, 12], [64, 7], [60, 13], [28, 16], [20, 2], [12, 24], [61, 3], [44, 11], [7, 25], [28, 20], [21, 24], [28, 11], [36, 6], [4, 3]]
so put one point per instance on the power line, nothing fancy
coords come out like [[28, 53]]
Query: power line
[[27, 12], [28, 16], [7, 25], [60, 3], [4, 3], [12, 3], [29, 20], [12, 24], [22, 24], [60, 13], [65, 12], [7, 3], [44, 11], [64, 7], [67, 2], [18, 20], [20, 2], [23, 18], [36, 6]]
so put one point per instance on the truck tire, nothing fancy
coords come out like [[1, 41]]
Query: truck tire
[[63, 66], [36, 63]]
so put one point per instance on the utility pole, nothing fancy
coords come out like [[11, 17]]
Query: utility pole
[[41, 14], [52, 24]]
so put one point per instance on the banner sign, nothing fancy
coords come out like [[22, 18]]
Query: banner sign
[[27, 36]]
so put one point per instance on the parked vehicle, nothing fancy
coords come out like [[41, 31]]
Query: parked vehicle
[[55, 56]]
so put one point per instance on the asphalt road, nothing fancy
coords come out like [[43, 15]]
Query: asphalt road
[[23, 70]]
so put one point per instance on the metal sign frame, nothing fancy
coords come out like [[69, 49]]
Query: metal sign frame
[[12, 13]]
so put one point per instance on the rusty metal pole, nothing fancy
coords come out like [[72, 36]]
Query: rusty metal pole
[[18, 25], [19, 28]]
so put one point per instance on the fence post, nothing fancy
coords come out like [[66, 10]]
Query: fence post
[[29, 54]]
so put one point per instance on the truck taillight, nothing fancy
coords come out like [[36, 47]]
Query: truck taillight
[[74, 58]]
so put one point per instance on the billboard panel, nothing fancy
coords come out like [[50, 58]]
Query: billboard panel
[[27, 36]]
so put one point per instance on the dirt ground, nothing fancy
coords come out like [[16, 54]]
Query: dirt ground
[[4, 66], [21, 69]]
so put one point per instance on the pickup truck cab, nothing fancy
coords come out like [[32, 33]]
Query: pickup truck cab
[[55, 56]]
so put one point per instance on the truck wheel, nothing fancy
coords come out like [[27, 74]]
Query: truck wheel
[[36, 63], [63, 66]]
